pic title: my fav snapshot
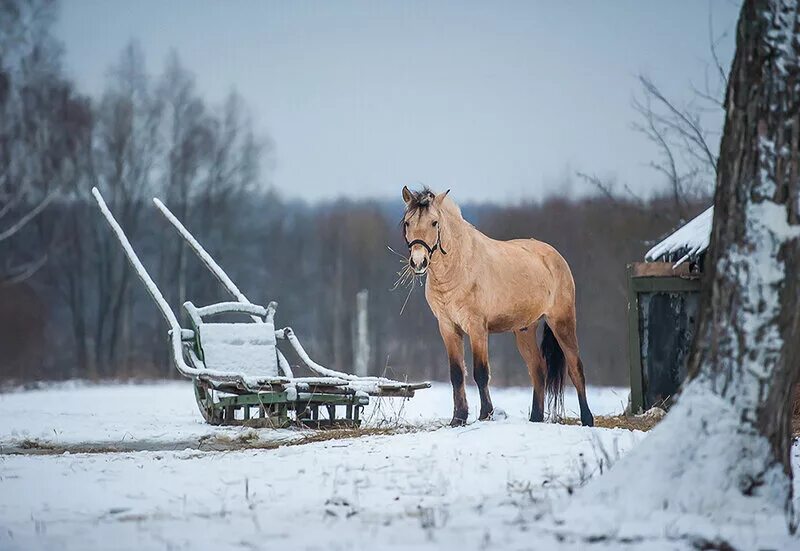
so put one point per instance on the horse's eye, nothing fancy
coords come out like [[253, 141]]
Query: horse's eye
[[434, 223]]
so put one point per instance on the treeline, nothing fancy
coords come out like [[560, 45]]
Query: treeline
[[71, 307], [313, 261]]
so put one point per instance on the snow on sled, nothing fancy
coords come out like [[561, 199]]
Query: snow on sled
[[240, 375]]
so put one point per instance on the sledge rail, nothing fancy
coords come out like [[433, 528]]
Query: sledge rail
[[204, 257], [285, 333], [176, 332]]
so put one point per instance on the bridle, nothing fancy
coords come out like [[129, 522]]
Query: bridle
[[436, 246]]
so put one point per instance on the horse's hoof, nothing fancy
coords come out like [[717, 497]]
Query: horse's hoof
[[587, 420], [486, 414], [458, 422]]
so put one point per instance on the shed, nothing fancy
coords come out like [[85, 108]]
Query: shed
[[663, 303]]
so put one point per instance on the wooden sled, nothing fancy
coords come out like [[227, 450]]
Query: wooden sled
[[240, 375]]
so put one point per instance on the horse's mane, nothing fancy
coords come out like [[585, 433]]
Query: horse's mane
[[419, 200], [423, 199]]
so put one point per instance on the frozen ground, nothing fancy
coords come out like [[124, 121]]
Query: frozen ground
[[163, 416], [476, 487]]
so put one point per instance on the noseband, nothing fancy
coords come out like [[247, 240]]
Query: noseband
[[436, 246]]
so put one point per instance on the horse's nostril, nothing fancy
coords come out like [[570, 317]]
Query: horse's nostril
[[411, 261], [424, 262]]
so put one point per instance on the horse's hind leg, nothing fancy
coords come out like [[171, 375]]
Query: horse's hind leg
[[529, 350], [454, 343], [479, 341], [565, 333]]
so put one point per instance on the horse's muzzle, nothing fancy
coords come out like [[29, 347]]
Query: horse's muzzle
[[419, 267]]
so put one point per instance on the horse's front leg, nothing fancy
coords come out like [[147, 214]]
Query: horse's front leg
[[454, 343], [479, 340]]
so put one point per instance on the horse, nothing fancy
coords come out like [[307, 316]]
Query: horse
[[476, 285]]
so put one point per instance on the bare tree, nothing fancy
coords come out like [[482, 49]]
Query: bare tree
[[42, 125], [126, 153], [239, 164], [237, 155], [722, 453], [188, 136], [685, 155]]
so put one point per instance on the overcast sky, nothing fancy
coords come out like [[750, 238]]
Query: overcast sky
[[496, 100]]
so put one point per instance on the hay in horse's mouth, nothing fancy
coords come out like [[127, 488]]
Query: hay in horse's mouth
[[407, 277]]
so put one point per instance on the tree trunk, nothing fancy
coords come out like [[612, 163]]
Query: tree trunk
[[718, 465], [748, 342]]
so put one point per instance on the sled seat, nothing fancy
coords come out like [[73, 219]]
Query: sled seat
[[246, 349]]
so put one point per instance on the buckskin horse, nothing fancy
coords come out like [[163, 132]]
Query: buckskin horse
[[476, 285]]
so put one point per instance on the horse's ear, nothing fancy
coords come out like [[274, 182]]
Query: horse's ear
[[407, 195], [439, 198]]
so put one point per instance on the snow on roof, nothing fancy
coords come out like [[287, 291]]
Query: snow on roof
[[688, 242]]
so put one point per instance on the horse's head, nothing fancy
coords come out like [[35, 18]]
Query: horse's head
[[422, 226]]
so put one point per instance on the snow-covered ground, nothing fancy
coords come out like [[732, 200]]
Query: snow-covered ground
[[480, 486], [163, 415]]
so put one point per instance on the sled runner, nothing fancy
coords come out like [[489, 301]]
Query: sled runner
[[240, 375]]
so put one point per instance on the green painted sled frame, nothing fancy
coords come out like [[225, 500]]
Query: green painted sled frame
[[271, 408]]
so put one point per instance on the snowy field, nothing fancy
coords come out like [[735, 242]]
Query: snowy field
[[486, 485]]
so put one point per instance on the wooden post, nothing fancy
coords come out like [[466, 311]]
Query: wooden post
[[362, 334], [634, 346]]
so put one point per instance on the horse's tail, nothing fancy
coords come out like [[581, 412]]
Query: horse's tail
[[554, 381]]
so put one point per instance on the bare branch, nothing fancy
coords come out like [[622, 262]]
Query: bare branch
[[708, 96], [25, 271], [603, 187], [30, 215], [12, 202], [682, 122], [713, 43]]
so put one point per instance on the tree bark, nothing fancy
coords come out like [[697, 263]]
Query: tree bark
[[748, 341]]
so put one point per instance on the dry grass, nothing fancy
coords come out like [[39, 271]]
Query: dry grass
[[250, 440], [636, 422], [38, 447], [29, 444], [348, 433]]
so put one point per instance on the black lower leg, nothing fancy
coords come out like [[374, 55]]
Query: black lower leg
[[537, 409], [460, 409], [587, 419], [481, 375]]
